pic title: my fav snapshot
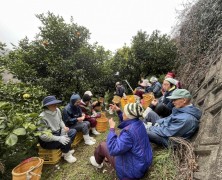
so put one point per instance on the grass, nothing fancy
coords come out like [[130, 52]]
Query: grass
[[163, 167]]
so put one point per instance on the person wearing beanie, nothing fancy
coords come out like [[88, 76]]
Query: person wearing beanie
[[172, 75], [162, 106], [183, 122], [88, 111], [61, 137], [74, 118], [130, 153]]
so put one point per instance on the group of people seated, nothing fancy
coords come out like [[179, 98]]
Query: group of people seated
[[130, 152], [77, 116]]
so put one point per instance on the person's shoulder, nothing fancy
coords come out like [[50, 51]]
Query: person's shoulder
[[42, 114]]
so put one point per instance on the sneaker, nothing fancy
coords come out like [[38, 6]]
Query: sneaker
[[69, 158], [92, 139], [89, 142], [94, 163], [70, 151], [96, 132]]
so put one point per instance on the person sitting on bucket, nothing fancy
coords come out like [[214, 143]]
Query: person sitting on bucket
[[88, 111], [61, 137], [74, 118], [183, 122], [129, 153]]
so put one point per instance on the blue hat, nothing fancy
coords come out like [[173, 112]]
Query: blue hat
[[49, 100]]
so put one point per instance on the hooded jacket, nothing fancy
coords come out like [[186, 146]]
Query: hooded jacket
[[132, 150], [72, 112], [183, 122]]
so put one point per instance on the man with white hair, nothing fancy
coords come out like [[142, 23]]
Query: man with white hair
[[183, 122], [155, 87]]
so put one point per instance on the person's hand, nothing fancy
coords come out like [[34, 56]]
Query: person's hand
[[94, 103], [114, 107], [154, 102], [64, 140], [66, 129], [112, 123], [80, 119]]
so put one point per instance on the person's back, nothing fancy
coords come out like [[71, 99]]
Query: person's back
[[134, 162], [130, 153]]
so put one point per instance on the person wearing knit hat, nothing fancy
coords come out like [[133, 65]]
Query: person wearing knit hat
[[74, 118], [131, 149], [163, 106], [88, 111], [172, 75]]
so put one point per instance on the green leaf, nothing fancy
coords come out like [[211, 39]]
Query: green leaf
[[19, 131], [4, 105], [2, 126], [32, 127], [26, 125], [33, 115], [11, 140]]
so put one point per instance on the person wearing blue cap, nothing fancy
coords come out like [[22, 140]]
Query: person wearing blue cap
[[183, 122], [61, 137]]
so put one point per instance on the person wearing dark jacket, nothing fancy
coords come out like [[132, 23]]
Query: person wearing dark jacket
[[162, 106], [129, 153], [88, 111], [183, 122], [120, 90], [74, 118]]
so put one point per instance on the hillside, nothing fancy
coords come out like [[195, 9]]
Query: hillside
[[200, 68]]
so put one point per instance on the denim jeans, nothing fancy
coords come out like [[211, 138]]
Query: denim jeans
[[155, 138]]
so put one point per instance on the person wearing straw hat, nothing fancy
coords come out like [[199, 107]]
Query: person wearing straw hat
[[183, 122], [61, 137], [129, 153]]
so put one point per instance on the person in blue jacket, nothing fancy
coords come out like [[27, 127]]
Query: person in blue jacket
[[183, 122], [129, 153], [74, 118]]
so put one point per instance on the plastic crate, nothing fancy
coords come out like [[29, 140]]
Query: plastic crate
[[128, 99], [78, 139], [147, 99], [50, 156], [102, 123]]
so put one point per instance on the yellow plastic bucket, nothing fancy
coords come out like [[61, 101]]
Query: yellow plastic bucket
[[128, 99]]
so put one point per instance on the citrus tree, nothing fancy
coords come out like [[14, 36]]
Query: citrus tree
[[60, 58]]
